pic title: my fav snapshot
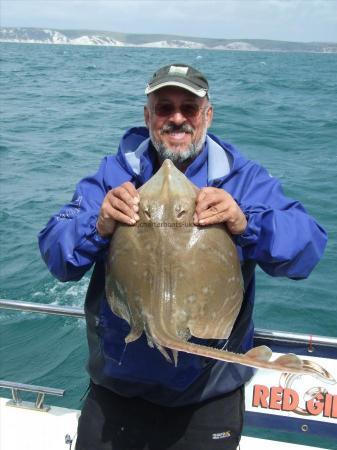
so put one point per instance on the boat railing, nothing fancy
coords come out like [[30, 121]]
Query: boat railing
[[261, 334]]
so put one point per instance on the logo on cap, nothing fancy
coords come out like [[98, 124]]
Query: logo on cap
[[176, 70]]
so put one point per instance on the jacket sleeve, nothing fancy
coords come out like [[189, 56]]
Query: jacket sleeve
[[280, 235], [69, 243]]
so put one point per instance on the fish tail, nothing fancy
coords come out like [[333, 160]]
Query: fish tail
[[258, 357]]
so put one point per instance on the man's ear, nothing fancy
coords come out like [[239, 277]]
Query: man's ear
[[146, 116], [209, 116]]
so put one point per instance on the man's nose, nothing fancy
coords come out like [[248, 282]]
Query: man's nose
[[177, 117]]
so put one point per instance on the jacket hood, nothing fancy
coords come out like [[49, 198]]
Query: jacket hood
[[223, 158]]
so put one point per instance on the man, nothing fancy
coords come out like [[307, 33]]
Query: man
[[137, 400]]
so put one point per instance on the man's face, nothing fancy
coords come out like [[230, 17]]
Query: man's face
[[177, 122]]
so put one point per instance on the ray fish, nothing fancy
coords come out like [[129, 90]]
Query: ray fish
[[173, 280]]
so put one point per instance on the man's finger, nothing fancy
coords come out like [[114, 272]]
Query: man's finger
[[123, 194], [121, 206], [109, 213], [201, 195], [220, 217], [129, 187], [123, 218], [214, 210], [209, 196], [235, 223], [208, 201]]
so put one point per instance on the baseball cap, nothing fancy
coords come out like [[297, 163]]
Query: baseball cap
[[180, 75]]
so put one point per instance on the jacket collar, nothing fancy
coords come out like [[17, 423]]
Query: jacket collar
[[137, 154]]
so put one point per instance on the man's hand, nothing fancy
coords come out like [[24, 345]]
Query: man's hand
[[215, 205], [119, 205]]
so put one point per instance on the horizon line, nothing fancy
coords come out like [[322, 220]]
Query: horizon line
[[168, 34]]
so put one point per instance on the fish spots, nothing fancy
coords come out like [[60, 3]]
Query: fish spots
[[191, 298], [147, 275], [120, 289], [223, 258], [179, 316]]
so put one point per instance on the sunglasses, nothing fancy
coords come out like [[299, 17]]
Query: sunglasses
[[188, 110]]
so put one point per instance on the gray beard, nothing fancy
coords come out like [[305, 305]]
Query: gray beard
[[179, 157]]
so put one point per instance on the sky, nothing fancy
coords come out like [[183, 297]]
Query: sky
[[287, 20]]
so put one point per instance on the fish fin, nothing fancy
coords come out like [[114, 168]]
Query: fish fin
[[152, 343], [175, 354], [134, 334], [164, 352], [261, 353], [289, 361]]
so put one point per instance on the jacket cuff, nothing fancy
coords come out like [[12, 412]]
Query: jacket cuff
[[251, 233], [95, 237]]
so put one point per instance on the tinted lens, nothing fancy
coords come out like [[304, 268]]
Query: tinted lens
[[167, 109], [190, 109], [164, 109]]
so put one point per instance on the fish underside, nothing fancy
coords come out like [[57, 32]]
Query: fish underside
[[175, 280]]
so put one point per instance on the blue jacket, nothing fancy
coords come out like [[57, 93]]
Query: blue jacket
[[280, 237]]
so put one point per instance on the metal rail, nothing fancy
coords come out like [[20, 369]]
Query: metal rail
[[79, 313], [43, 308], [31, 388], [298, 338], [41, 391]]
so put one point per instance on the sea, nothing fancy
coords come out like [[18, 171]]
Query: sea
[[63, 108]]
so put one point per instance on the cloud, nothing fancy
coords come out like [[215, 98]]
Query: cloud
[[297, 20]]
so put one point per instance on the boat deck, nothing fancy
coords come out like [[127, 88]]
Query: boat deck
[[28, 429]]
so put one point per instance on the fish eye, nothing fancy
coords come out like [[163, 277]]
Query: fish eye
[[147, 211], [180, 211]]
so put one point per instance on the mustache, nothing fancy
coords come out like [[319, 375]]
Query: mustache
[[173, 128]]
